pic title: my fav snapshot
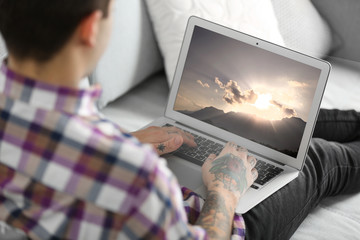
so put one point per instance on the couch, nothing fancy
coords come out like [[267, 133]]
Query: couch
[[136, 84], [335, 217]]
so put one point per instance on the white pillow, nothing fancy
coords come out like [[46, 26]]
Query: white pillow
[[302, 27], [170, 17], [344, 19], [132, 55]]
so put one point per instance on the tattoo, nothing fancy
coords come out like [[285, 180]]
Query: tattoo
[[230, 170], [215, 218], [161, 147]]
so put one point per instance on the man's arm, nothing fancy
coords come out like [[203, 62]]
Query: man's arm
[[164, 139], [227, 178], [217, 215]]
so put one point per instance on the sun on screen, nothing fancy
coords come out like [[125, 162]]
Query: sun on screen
[[263, 101]]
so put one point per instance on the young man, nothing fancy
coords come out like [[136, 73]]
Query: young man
[[67, 173]]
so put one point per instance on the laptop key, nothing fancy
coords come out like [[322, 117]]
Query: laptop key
[[266, 172], [260, 182]]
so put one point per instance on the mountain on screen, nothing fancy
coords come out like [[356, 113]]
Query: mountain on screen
[[282, 135]]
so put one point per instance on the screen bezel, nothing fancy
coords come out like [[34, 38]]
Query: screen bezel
[[259, 149]]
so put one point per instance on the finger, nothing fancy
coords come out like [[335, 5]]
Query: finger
[[169, 146], [254, 173], [150, 135], [233, 148], [230, 146], [211, 157], [252, 161], [187, 137], [171, 130], [208, 161]]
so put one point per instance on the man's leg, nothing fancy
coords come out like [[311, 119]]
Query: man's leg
[[331, 168], [338, 126]]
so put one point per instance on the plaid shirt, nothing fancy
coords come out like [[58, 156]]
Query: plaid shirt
[[67, 173]]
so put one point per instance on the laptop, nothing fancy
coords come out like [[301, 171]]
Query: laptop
[[229, 86]]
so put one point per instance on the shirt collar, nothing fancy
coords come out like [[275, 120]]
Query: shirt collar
[[47, 96]]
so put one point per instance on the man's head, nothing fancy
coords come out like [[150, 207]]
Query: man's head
[[38, 29]]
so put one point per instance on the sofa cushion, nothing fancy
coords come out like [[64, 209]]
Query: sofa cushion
[[302, 27], [342, 89], [335, 218], [132, 54], [141, 105], [170, 18], [344, 19]]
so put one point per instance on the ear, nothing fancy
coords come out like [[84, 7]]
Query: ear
[[89, 28]]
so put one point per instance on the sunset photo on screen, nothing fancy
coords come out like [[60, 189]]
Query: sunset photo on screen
[[243, 89]]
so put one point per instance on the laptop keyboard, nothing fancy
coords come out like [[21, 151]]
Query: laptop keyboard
[[266, 171], [199, 155]]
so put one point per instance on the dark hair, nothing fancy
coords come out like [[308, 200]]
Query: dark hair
[[40, 28]]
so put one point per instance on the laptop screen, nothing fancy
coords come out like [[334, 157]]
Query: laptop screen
[[248, 91]]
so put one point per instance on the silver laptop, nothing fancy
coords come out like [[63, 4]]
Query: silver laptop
[[229, 86]]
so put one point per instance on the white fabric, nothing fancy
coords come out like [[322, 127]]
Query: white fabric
[[132, 54], [170, 18], [141, 105], [302, 27], [335, 218], [343, 87], [344, 19]]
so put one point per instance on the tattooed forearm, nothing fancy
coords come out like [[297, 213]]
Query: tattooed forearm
[[230, 171], [216, 217], [226, 180]]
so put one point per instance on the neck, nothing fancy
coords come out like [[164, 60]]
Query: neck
[[60, 70]]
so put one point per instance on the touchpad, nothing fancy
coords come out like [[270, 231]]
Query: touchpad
[[187, 173]]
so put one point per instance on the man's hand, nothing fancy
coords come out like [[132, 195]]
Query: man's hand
[[165, 139], [233, 170], [226, 177]]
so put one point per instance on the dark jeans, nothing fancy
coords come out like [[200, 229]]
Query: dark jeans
[[332, 167]]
